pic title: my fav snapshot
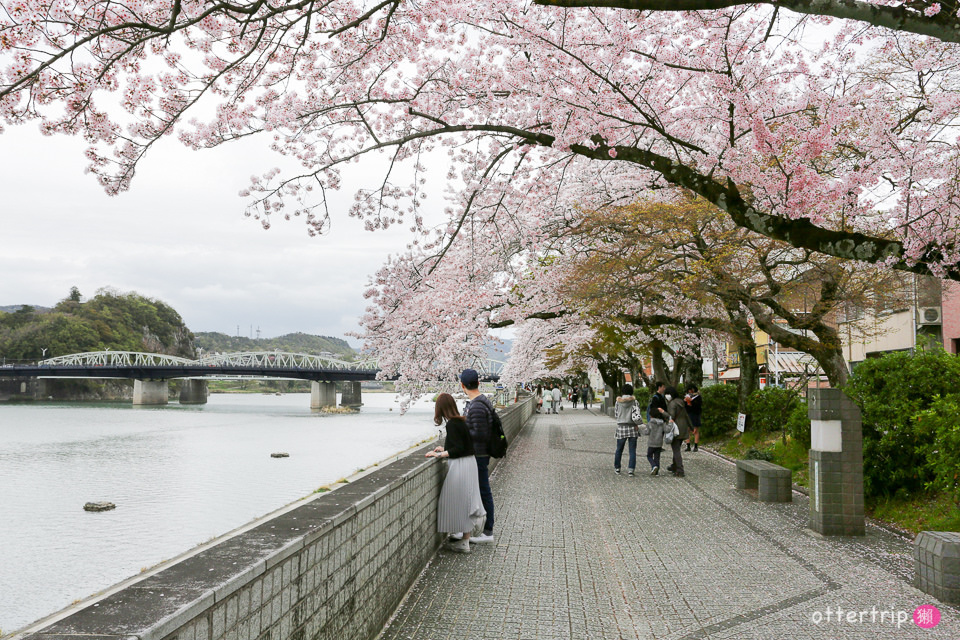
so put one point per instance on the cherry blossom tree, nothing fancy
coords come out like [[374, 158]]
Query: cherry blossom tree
[[846, 147], [678, 261]]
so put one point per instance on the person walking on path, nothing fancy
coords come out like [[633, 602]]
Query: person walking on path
[[694, 411], [677, 409], [539, 398], [556, 397], [658, 403], [626, 428], [460, 507], [655, 444], [479, 417], [587, 396], [574, 397]]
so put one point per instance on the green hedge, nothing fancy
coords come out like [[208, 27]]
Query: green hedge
[[941, 424], [719, 410], [771, 408], [892, 392]]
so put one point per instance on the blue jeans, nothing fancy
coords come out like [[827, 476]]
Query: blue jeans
[[619, 454], [486, 496], [653, 456]]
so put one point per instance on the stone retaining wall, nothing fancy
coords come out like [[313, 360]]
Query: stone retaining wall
[[335, 567]]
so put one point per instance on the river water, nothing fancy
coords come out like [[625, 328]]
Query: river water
[[179, 475]]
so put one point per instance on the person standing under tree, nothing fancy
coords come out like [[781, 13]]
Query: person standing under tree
[[694, 411], [479, 417], [627, 431], [460, 508], [677, 410], [557, 395]]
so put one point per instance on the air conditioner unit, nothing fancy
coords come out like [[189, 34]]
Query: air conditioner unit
[[929, 315]]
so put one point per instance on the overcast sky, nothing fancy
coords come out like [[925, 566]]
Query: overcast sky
[[179, 235]]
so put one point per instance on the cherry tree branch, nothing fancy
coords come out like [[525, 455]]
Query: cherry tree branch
[[906, 16]]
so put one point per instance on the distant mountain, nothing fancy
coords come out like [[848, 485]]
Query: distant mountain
[[211, 341], [10, 308], [118, 321]]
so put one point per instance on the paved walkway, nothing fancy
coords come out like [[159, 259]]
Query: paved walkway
[[582, 553]]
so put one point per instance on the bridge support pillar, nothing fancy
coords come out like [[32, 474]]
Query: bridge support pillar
[[351, 395], [149, 392], [193, 392], [323, 395]]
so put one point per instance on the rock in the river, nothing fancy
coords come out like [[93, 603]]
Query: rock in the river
[[99, 506], [279, 455]]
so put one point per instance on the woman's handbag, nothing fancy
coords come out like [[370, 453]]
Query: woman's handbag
[[636, 415], [672, 433]]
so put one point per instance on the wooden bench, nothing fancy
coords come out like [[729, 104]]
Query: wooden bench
[[772, 482]]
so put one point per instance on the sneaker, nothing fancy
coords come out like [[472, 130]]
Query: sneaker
[[616, 471], [696, 447], [455, 537], [688, 446], [483, 538], [655, 471], [671, 468], [459, 547], [630, 473]]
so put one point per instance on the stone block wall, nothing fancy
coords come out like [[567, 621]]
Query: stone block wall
[[334, 567]]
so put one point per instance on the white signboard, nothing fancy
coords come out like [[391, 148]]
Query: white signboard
[[741, 422]]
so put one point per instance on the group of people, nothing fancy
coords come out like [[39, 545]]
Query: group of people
[[466, 500], [553, 397], [667, 413]]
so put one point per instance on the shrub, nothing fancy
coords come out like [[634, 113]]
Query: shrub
[[771, 407], [938, 429], [758, 454], [719, 409], [891, 391], [798, 424]]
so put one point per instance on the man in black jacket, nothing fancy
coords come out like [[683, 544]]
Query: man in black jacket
[[479, 416]]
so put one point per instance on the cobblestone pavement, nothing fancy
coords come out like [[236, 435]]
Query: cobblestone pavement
[[582, 553]]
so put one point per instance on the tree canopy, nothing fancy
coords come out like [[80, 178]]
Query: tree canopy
[[119, 321], [840, 141]]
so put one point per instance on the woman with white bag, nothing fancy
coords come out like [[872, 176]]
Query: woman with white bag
[[678, 415]]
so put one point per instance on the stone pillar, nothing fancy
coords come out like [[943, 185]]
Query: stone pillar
[[323, 395], [936, 556], [193, 392], [351, 395], [836, 464], [149, 392]]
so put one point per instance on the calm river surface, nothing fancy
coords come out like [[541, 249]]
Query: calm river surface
[[179, 476]]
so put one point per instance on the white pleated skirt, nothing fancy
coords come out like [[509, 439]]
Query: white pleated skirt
[[460, 507]]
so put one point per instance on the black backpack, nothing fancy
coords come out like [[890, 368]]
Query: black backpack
[[497, 445]]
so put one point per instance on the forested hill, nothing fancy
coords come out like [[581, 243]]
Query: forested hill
[[292, 342], [118, 321]]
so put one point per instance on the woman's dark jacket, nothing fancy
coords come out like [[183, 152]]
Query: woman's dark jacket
[[458, 442], [695, 409]]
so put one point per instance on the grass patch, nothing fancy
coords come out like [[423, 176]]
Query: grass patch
[[912, 513], [924, 512]]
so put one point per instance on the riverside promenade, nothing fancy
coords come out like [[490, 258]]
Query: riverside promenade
[[584, 554]]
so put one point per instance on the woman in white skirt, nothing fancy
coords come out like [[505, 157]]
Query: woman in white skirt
[[460, 508]]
